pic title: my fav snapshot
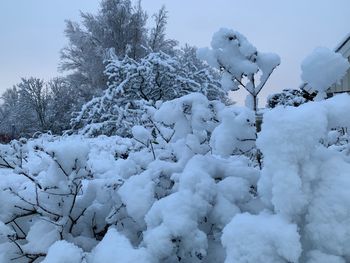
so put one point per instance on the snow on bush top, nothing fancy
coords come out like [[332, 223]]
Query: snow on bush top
[[64, 252], [191, 197], [322, 68], [239, 61], [232, 50]]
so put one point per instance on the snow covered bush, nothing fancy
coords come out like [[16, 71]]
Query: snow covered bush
[[261, 238], [241, 65], [306, 182], [323, 68], [183, 188], [58, 193], [289, 97], [235, 135], [160, 196]]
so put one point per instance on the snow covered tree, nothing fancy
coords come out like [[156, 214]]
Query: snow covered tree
[[61, 105], [157, 40], [35, 96], [118, 25], [207, 78], [241, 65], [9, 112], [25, 108], [37, 106], [135, 84]]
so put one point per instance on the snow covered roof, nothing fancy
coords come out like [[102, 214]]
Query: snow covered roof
[[343, 42]]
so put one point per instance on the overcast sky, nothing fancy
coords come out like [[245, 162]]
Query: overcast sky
[[31, 31]]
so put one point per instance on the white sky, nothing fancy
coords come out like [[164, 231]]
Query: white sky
[[32, 31]]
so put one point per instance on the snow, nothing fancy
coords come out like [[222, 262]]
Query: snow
[[174, 217], [323, 68], [202, 197], [114, 247], [282, 127], [306, 182], [267, 62], [316, 256], [193, 181], [236, 132], [240, 63], [63, 252], [41, 236], [138, 195], [179, 214], [230, 48], [5, 231], [141, 134], [261, 238], [135, 86], [96, 192], [328, 214], [191, 112]]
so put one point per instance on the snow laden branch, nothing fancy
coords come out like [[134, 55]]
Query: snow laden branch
[[241, 65]]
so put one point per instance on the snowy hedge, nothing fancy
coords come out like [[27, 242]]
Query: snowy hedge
[[186, 189]]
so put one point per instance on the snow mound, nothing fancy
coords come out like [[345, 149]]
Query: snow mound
[[258, 238], [323, 68], [63, 252]]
